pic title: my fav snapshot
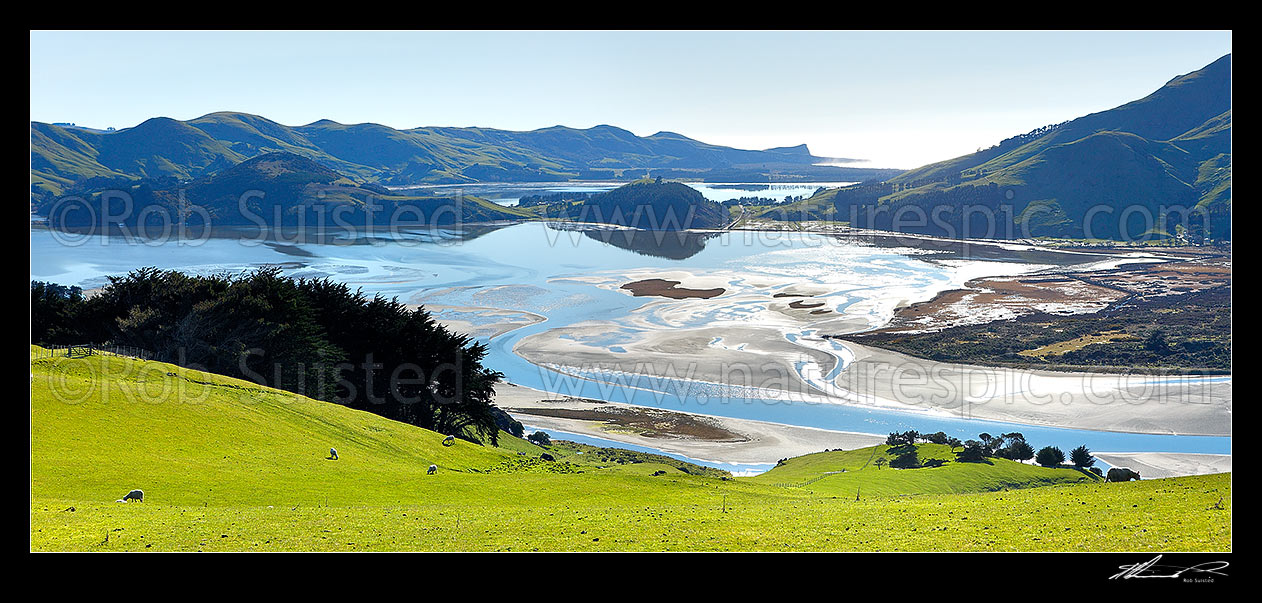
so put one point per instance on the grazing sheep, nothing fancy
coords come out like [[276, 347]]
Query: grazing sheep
[[547, 457], [449, 440], [333, 453], [432, 470], [136, 495], [1121, 474]]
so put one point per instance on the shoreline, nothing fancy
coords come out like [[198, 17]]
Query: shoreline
[[879, 378], [1156, 465], [761, 442], [505, 320]]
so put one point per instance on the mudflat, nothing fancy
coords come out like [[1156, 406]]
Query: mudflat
[[666, 288]]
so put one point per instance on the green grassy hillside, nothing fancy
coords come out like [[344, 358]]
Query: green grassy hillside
[[1171, 149], [854, 472], [199, 438], [287, 189], [229, 465]]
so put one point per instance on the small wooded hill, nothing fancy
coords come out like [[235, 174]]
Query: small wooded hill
[[1170, 149], [227, 464], [647, 205], [164, 147], [272, 189], [858, 472]]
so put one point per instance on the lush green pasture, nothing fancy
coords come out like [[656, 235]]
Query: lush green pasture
[[229, 465], [855, 473]]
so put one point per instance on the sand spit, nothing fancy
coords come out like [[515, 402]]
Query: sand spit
[[702, 437], [479, 322], [1153, 465], [747, 360]]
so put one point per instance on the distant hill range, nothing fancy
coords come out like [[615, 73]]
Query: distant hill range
[[1141, 169], [62, 155], [276, 189]]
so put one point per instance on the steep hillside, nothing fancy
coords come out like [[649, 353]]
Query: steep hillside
[[1184, 104], [102, 423], [1156, 167]]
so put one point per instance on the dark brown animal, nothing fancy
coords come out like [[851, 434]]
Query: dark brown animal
[[1121, 474]]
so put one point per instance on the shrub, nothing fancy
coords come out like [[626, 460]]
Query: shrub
[[1019, 450], [903, 438], [973, 452], [906, 460], [1049, 456], [540, 438], [1081, 457]]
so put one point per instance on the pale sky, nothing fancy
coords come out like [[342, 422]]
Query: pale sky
[[901, 99]]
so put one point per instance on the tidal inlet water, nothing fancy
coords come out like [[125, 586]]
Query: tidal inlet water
[[551, 306]]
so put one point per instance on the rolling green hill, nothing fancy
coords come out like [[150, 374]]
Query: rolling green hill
[[854, 472], [61, 156], [229, 465], [1143, 167], [274, 189]]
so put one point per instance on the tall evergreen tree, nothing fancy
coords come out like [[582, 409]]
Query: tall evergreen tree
[[1081, 457]]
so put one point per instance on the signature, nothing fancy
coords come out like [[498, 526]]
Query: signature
[[1150, 569]]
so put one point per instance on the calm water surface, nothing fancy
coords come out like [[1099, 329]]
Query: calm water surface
[[536, 269]]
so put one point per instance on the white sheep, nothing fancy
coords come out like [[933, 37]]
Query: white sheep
[[432, 470], [449, 440], [333, 453], [136, 495]]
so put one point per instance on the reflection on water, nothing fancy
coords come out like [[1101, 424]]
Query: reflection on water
[[284, 239], [675, 245], [532, 267], [510, 193]]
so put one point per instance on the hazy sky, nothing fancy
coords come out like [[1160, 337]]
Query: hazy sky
[[901, 99]]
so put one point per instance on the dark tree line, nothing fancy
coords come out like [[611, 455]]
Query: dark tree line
[[1011, 446], [552, 199], [313, 337], [756, 201], [52, 311]]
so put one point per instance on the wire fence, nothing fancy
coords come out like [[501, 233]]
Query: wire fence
[[809, 481], [82, 350]]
